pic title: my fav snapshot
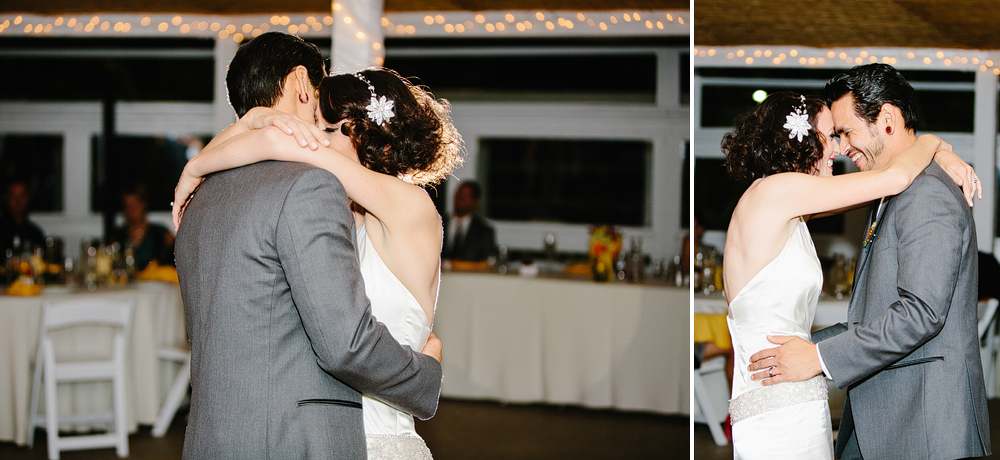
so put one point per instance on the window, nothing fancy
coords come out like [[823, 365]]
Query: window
[[37, 160], [93, 69], [155, 162], [716, 196], [571, 181], [594, 75]]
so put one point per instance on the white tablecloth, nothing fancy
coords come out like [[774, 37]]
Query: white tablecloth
[[530, 340], [158, 321]]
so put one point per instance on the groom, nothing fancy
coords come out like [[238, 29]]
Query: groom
[[282, 336], [909, 353]]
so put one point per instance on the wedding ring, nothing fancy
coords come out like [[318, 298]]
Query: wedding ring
[[770, 372]]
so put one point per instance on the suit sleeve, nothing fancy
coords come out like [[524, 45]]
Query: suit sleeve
[[314, 242], [930, 228], [828, 332]]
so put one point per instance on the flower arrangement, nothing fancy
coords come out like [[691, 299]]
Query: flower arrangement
[[605, 244]]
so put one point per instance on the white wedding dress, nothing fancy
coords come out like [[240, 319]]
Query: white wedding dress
[[786, 420], [389, 432]]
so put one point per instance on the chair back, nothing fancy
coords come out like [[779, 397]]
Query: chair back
[[78, 312], [989, 310], [989, 343]]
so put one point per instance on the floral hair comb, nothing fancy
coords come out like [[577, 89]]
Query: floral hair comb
[[380, 110], [796, 122]]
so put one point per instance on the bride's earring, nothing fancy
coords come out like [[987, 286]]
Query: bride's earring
[[888, 129], [304, 98]]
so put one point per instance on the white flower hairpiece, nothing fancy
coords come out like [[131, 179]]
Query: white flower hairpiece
[[797, 122], [380, 110]]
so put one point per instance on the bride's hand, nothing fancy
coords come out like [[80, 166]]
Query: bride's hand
[[306, 134], [183, 192], [960, 172]]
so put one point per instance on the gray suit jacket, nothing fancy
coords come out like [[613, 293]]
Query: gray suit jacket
[[282, 337], [910, 354]]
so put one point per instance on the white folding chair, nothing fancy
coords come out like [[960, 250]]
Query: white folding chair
[[989, 342], [177, 391], [49, 372], [709, 380]]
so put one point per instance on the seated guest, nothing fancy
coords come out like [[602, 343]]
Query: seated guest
[[17, 233], [466, 235], [148, 241]]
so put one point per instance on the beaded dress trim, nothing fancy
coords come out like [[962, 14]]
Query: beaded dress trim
[[764, 399], [394, 446]]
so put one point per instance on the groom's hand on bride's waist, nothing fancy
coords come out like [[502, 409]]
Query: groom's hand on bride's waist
[[433, 347], [794, 361]]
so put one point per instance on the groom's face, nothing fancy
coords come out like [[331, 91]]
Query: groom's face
[[859, 139]]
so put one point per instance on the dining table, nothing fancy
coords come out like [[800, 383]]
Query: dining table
[[565, 341], [157, 322]]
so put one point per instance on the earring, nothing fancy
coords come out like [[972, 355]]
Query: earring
[[303, 98], [888, 129]]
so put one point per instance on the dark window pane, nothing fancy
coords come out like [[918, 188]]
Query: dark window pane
[[684, 70], [571, 181], [121, 79], [155, 162], [37, 160], [686, 186], [720, 105], [945, 111], [135, 69], [533, 78], [716, 196]]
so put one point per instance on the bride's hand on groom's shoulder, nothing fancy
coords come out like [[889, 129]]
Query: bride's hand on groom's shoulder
[[794, 360], [306, 134], [961, 172]]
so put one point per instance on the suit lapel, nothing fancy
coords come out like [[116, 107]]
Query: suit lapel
[[870, 237]]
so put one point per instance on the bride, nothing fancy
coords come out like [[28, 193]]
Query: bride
[[785, 147], [386, 139]]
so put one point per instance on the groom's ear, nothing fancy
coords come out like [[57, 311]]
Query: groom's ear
[[297, 84], [888, 115]]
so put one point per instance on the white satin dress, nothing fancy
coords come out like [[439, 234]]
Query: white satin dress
[[389, 432], [786, 420]]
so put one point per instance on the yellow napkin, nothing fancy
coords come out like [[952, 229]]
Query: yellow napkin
[[157, 272], [22, 288]]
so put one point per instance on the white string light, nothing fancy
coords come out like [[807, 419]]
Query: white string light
[[798, 57], [403, 24]]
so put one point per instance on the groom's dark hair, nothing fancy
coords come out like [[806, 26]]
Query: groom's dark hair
[[873, 85], [259, 68]]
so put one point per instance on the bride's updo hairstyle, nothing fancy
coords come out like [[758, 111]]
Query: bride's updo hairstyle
[[760, 146], [418, 143]]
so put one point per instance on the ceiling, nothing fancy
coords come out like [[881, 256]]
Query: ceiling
[[45, 7], [967, 24]]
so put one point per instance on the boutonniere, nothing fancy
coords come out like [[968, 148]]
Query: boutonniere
[[868, 235]]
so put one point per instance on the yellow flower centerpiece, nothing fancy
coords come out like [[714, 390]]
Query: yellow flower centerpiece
[[605, 244]]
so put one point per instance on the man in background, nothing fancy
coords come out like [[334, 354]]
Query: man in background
[[467, 236], [17, 232]]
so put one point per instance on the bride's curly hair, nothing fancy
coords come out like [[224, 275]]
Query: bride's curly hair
[[419, 144], [759, 145]]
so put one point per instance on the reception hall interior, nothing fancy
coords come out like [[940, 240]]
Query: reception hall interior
[[744, 51], [566, 323]]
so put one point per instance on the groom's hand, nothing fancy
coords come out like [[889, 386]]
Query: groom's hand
[[433, 347], [794, 361]]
